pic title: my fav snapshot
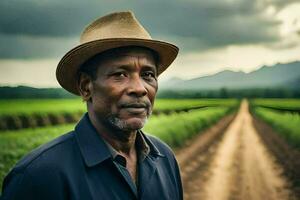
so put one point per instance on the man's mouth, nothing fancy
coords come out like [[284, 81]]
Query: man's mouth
[[135, 108], [134, 105]]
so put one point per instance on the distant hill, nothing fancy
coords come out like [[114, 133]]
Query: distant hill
[[22, 92], [276, 76]]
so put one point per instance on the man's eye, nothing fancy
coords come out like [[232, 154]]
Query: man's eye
[[119, 74], [148, 75]]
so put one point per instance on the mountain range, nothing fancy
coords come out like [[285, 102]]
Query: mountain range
[[277, 76]]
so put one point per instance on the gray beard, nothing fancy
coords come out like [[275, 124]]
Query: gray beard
[[122, 125], [114, 122]]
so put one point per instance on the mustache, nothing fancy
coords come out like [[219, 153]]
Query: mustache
[[135, 104]]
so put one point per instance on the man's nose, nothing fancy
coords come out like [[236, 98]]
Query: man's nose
[[137, 87]]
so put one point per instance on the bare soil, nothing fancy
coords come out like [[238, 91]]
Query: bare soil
[[230, 161], [286, 155]]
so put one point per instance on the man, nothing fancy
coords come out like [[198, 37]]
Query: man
[[107, 156]]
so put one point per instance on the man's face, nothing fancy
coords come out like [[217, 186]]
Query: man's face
[[123, 93]]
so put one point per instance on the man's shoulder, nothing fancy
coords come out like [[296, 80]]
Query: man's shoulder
[[42, 171], [49, 152]]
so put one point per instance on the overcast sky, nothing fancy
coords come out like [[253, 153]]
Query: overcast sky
[[212, 35]]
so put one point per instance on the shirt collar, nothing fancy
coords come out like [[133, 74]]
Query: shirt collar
[[95, 150], [92, 146], [143, 148]]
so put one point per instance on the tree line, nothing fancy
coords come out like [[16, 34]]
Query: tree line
[[24, 92]]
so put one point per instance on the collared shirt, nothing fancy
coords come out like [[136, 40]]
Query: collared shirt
[[143, 151], [79, 166]]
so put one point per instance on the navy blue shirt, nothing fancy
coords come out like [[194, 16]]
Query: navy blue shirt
[[79, 165]]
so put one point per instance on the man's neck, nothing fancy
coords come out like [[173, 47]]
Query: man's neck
[[123, 146], [121, 141]]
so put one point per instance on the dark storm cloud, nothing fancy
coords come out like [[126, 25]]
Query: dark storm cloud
[[24, 46], [42, 18], [191, 24], [213, 24]]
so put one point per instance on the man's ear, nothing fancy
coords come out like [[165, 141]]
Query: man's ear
[[85, 86]]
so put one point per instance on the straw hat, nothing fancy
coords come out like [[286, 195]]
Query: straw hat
[[111, 31]]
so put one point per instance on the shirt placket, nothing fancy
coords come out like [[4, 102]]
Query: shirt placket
[[126, 175]]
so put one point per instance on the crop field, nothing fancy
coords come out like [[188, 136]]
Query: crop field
[[17, 114], [176, 128], [162, 105], [34, 106], [214, 141], [31, 106], [279, 128], [278, 104], [172, 127], [26, 113], [287, 124], [283, 115]]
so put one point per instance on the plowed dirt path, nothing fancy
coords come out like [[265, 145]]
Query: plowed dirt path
[[237, 166]]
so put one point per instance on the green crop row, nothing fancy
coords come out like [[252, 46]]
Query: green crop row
[[18, 114], [9, 122], [30, 106], [173, 129], [291, 104], [177, 128], [14, 144], [30, 113], [286, 123], [175, 104]]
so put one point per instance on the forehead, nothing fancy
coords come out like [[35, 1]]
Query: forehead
[[125, 54]]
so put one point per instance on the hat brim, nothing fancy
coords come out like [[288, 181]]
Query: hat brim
[[67, 69]]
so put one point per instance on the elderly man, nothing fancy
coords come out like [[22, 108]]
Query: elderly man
[[107, 156]]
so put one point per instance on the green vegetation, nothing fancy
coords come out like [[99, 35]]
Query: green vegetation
[[286, 123], [15, 144], [288, 104], [30, 106], [162, 105], [28, 113], [175, 129], [231, 93], [282, 115]]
